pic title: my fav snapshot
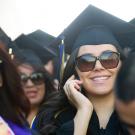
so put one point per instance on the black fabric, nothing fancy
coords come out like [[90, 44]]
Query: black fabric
[[132, 21], [65, 124], [42, 36], [28, 56], [95, 16], [112, 128], [44, 53], [95, 35], [64, 121], [35, 132], [4, 38]]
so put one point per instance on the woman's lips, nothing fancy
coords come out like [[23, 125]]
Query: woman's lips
[[31, 93], [100, 79]]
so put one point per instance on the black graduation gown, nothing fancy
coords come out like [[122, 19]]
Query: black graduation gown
[[65, 124]]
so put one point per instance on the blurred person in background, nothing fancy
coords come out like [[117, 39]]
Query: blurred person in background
[[14, 104], [36, 82], [45, 53], [125, 93]]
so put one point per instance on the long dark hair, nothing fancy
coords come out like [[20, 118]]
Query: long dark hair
[[58, 101], [13, 103]]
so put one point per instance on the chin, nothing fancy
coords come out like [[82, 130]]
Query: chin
[[35, 102], [100, 92]]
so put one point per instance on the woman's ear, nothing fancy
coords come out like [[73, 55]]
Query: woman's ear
[[1, 80]]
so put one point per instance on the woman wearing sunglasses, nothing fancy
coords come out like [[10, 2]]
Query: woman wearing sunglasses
[[85, 104], [36, 83], [13, 102]]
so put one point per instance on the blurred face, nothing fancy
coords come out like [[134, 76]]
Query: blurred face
[[127, 114], [98, 80], [49, 67], [34, 87]]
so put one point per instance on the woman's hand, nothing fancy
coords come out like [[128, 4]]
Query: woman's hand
[[81, 102], [72, 90]]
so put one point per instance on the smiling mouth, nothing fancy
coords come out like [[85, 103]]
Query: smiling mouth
[[100, 79]]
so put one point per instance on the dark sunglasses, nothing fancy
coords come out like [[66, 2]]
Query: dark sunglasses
[[87, 62], [37, 78]]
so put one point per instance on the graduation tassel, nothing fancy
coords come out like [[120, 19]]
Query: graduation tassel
[[0, 61], [62, 59], [10, 52]]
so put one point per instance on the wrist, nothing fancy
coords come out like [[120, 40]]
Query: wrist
[[86, 107]]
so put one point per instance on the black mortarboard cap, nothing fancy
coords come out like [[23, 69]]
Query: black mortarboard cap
[[95, 35], [95, 16], [44, 53], [26, 56], [44, 38], [5, 38], [132, 21]]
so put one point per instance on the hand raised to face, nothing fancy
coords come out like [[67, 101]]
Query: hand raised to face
[[72, 90]]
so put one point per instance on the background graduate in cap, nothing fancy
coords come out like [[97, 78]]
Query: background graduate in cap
[[26, 42], [36, 82], [85, 103], [125, 93], [13, 102], [46, 39], [52, 64], [43, 51]]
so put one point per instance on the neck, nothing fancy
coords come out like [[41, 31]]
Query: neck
[[104, 106], [32, 114]]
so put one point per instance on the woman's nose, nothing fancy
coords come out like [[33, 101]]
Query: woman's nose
[[98, 65], [29, 83]]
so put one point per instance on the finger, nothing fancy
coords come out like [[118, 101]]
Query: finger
[[77, 86], [78, 81], [66, 92], [73, 85]]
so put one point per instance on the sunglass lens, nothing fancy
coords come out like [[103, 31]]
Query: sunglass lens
[[85, 63], [109, 60], [24, 78], [37, 78]]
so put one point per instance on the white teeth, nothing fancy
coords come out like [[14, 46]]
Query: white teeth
[[100, 78]]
